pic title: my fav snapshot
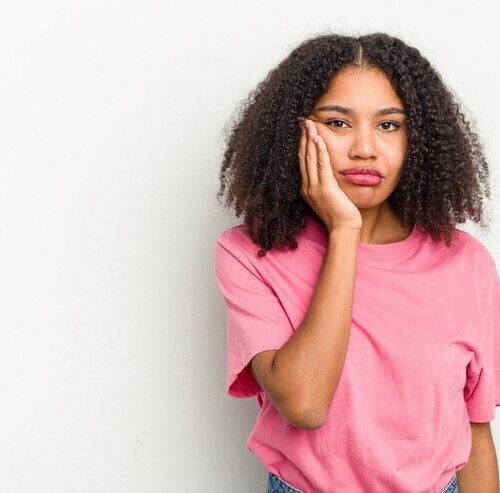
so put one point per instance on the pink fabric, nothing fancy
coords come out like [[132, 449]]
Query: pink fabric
[[423, 358]]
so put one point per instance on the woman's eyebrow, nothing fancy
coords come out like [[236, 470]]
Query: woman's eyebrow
[[348, 111]]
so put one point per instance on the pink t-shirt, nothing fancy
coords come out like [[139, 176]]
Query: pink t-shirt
[[423, 358]]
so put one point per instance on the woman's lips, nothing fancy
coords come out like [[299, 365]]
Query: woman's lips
[[363, 179]]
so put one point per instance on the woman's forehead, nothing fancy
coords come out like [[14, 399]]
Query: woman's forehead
[[360, 90]]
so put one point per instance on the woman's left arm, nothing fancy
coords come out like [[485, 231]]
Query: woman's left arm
[[481, 471]]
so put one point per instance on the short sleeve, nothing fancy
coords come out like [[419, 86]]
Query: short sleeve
[[482, 389], [256, 320]]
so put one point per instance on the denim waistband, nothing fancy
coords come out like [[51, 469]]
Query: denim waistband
[[277, 484]]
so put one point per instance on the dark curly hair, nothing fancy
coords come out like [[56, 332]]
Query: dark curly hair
[[445, 174]]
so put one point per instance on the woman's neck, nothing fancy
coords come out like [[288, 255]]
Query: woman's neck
[[382, 224]]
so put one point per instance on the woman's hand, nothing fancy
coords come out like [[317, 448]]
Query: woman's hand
[[319, 186]]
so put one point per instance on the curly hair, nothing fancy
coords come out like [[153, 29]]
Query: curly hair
[[445, 176]]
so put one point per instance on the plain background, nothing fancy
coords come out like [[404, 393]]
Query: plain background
[[112, 350]]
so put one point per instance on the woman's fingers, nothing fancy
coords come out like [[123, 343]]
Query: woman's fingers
[[325, 172], [320, 188], [311, 155], [302, 159], [314, 160]]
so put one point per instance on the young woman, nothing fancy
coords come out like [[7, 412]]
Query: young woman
[[364, 322]]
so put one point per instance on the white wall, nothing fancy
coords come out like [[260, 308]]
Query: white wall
[[112, 349]]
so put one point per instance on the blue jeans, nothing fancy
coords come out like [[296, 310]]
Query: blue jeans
[[277, 485]]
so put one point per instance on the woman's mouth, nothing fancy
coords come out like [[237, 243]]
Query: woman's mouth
[[363, 179]]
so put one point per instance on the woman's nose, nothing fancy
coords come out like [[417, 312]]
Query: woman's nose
[[363, 145]]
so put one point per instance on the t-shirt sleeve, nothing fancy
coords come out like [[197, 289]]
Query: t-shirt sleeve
[[482, 390], [256, 320]]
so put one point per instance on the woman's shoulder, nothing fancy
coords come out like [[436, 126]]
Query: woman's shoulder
[[235, 242], [468, 239], [236, 237], [238, 234], [473, 247]]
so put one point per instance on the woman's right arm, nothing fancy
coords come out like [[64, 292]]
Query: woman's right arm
[[301, 377]]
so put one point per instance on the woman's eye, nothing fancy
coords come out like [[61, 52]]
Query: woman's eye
[[333, 124], [390, 123]]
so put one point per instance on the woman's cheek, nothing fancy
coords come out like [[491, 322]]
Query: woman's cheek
[[336, 149]]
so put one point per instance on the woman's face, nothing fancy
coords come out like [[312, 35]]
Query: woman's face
[[356, 136]]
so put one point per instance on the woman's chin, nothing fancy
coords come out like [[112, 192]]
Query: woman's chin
[[365, 202]]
